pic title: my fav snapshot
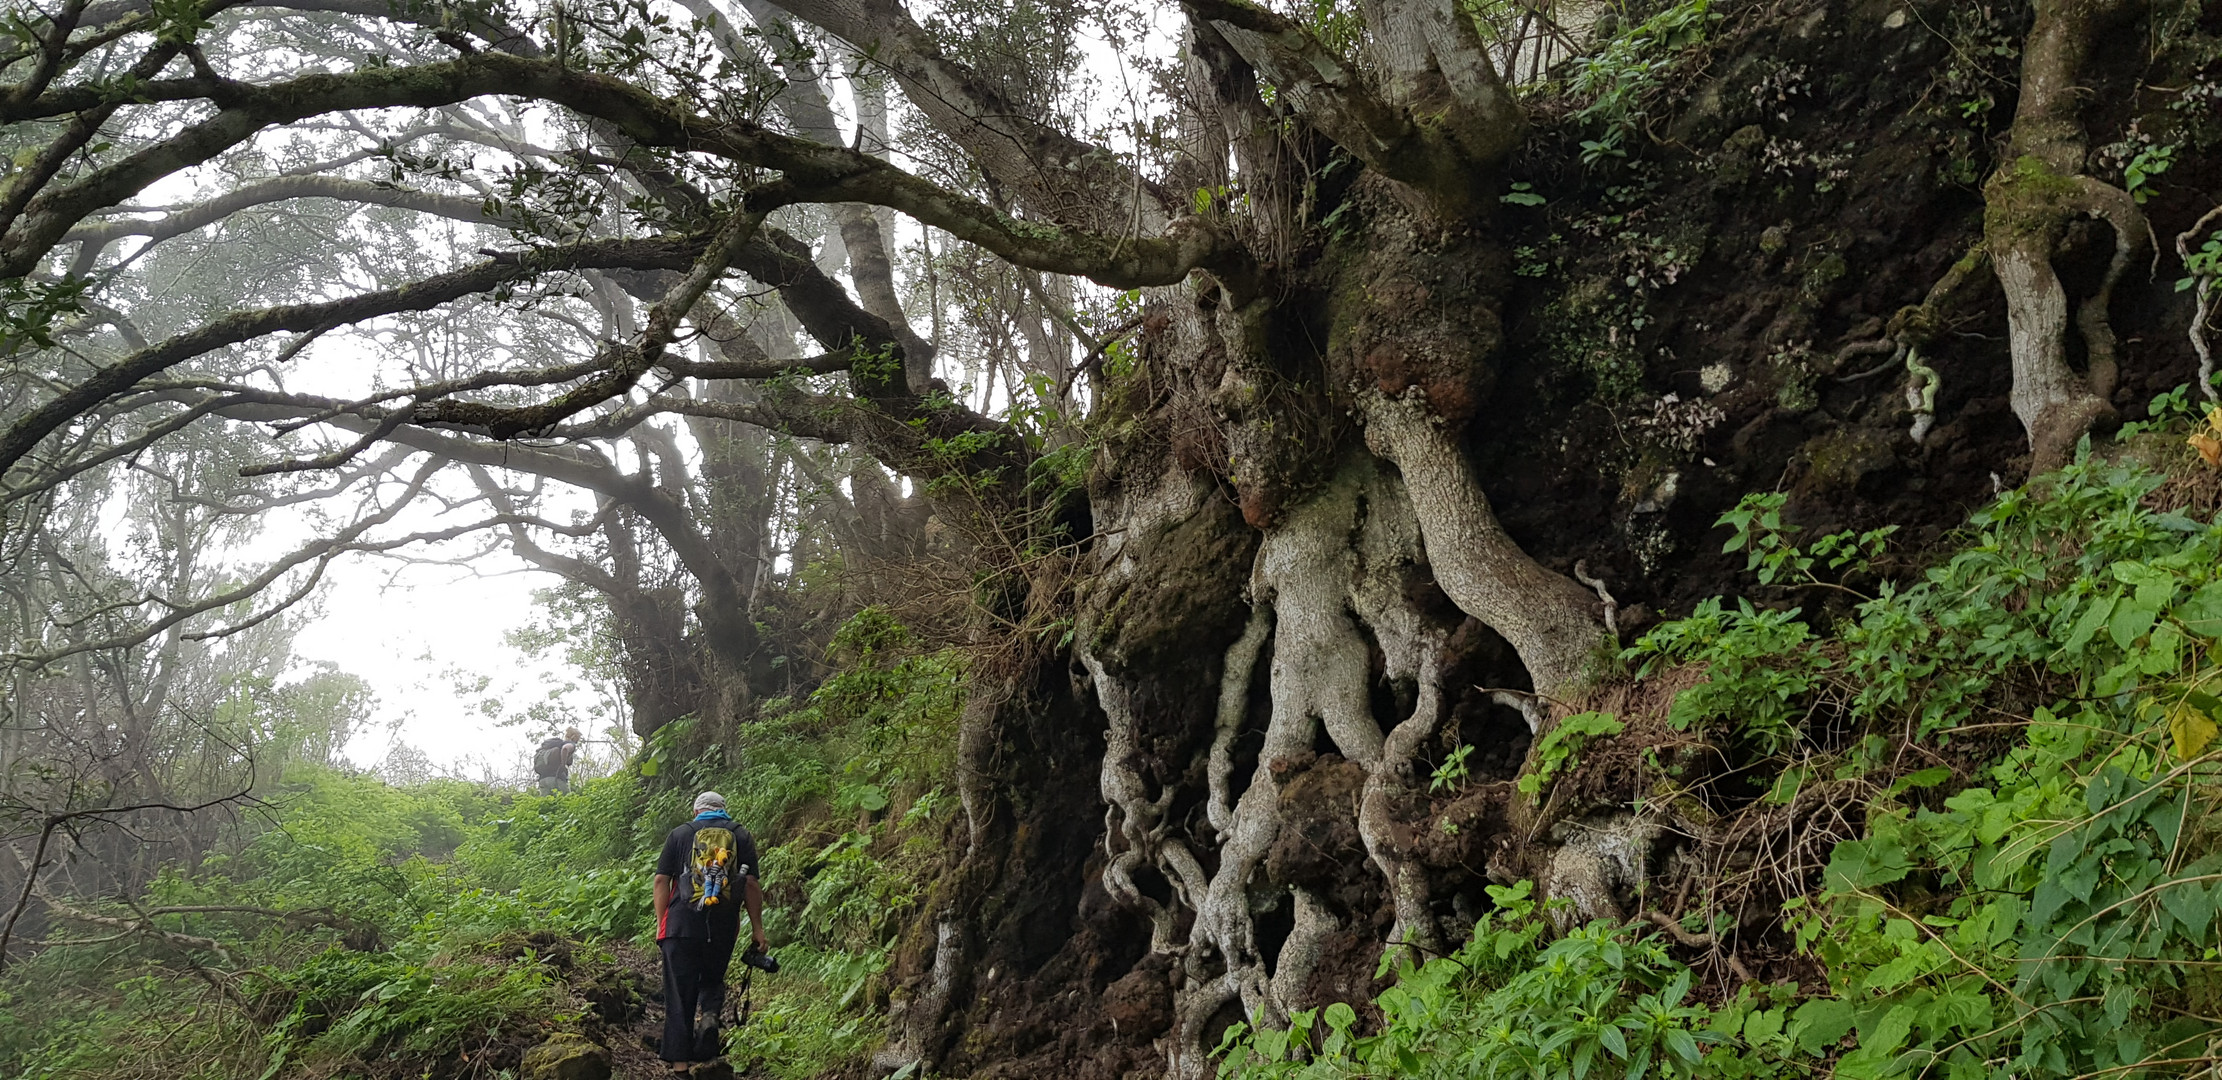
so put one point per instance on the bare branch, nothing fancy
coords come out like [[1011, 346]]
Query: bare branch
[[624, 365], [812, 172], [1057, 177], [320, 551], [199, 215], [26, 433], [53, 821]]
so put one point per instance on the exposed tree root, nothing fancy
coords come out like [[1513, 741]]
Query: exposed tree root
[[2204, 295], [1132, 819], [1913, 327], [1318, 678], [1604, 596], [1531, 708], [1234, 702], [1921, 393], [919, 1023], [1596, 858], [1554, 624], [1333, 585], [2027, 207]]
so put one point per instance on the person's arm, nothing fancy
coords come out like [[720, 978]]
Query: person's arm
[[752, 894], [663, 901]]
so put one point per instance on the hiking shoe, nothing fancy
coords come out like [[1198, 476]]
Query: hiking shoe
[[709, 1042]]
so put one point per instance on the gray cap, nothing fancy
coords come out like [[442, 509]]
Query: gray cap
[[709, 800]]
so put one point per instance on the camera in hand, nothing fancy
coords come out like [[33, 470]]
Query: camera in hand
[[761, 961]]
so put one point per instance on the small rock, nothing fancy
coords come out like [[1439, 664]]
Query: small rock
[[1661, 496], [1774, 238], [1895, 19], [566, 1057]]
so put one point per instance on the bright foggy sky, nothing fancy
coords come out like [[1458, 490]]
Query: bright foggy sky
[[405, 639]]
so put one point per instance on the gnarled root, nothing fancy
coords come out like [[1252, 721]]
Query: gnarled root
[[1596, 859], [1412, 649], [1921, 394], [2204, 296], [1336, 569], [1318, 675], [2026, 209], [1136, 820], [1234, 701], [1554, 624], [1336, 588]]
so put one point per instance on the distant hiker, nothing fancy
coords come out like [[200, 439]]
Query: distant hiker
[[707, 864], [552, 762]]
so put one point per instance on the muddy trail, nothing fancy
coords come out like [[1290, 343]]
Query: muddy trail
[[620, 1022], [633, 1043], [634, 1034]]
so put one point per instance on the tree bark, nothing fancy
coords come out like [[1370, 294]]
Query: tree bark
[[2028, 204]]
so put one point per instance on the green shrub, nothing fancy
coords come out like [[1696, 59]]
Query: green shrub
[[349, 1007], [2055, 915], [1600, 1000], [2045, 908]]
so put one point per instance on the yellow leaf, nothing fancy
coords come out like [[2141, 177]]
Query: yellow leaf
[[2191, 729], [2209, 447]]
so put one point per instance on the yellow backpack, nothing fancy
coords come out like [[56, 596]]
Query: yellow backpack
[[709, 867]]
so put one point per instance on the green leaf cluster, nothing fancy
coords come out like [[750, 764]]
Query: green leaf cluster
[[1555, 753], [31, 310], [1619, 79], [2024, 739], [1600, 1001]]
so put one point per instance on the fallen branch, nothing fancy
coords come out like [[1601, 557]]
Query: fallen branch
[[1673, 927], [143, 926], [52, 822]]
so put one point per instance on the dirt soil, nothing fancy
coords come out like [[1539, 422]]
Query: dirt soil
[[633, 1044], [633, 1041]]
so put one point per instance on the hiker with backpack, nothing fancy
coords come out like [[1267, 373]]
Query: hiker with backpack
[[706, 875], [552, 762]]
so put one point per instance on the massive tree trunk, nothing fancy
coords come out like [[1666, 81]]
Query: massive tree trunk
[[1294, 554], [1374, 543]]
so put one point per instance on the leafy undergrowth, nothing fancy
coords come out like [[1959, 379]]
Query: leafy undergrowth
[[2018, 751], [398, 961], [443, 929]]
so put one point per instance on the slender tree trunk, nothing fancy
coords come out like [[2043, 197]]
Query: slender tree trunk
[[2028, 205]]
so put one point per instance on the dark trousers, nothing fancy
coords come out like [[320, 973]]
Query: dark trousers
[[694, 985]]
